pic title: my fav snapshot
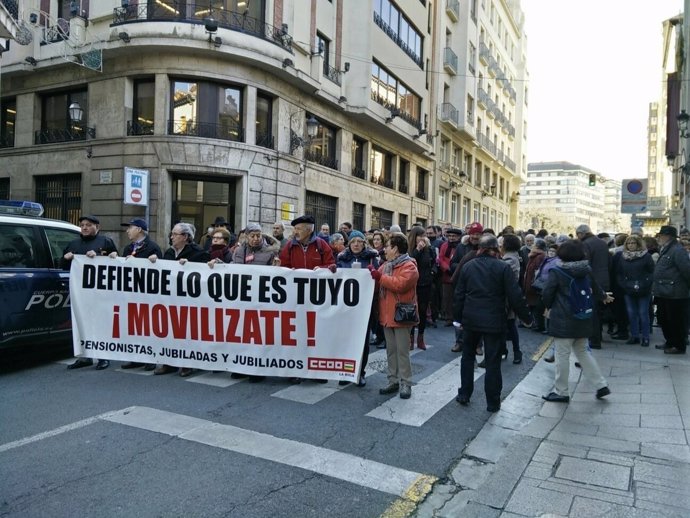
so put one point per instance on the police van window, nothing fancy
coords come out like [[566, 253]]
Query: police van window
[[15, 247], [58, 239]]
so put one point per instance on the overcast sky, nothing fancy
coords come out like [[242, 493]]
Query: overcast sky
[[594, 65]]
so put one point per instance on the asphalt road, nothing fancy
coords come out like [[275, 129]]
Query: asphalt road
[[126, 443]]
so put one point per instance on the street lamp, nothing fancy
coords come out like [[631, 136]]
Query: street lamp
[[76, 114], [682, 119], [312, 130]]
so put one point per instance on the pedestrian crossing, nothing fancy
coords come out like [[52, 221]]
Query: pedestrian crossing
[[430, 393]]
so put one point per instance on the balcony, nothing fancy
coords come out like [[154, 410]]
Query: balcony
[[7, 140], [332, 73], [405, 189], [453, 9], [449, 114], [358, 172], [487, 144], [450, 61], [383, 181], [265, 140], [12, 7], [175, 11], [54, 135], [392, 34], [484, 100], [139, 128], [484, 53], [422, 195], [318, 158], [205, 130]]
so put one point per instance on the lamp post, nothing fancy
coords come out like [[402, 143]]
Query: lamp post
[[76, 114]]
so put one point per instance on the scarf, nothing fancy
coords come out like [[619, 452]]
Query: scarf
[[451, 246], [629, 256], [388, 268]]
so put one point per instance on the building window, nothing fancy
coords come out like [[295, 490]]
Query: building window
[[398, 28], [206, 110], [466, 211], [56, 125], [402, 222], [143, 109], [60, 196], [404, 177], [322, 207], [321, 148], [358, 210], [475, 211], [389, 91], [200, 201], [8, 118], [264, 121], [442, 204], [454, 209], [4, 188], [358, 158], [323, 47], [381, 218], [382, 168], [422, 184]]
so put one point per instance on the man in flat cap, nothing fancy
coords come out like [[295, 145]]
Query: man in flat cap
[[670, 289], [89, 243], [306, 249], [140, 246]]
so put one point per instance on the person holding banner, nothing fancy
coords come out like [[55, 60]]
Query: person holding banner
[[220, 250], [358, 255], [397, 280], [90, 244], [183, 250], [141, 245], [306, 250]]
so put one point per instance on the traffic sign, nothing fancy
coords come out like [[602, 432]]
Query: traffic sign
[[136, 187]]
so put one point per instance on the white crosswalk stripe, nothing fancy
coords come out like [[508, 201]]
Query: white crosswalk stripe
[[215, 379], [429, 395]]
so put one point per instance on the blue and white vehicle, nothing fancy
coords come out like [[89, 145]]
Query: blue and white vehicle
[[34, 291]]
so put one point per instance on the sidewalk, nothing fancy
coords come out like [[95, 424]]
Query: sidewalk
[[626, 456]]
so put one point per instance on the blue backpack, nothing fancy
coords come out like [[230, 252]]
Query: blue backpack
[[579, 295]]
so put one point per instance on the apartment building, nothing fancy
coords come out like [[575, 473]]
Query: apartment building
[[260, 110], [480, 116]]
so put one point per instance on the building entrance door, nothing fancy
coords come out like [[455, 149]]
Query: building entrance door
[[200, 202]]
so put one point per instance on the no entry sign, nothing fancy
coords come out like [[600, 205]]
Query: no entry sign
[[136, 187]]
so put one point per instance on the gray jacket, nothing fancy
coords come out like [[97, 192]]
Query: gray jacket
[[263, 255], [672, 272]]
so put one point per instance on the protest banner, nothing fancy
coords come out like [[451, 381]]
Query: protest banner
[[260, 320]]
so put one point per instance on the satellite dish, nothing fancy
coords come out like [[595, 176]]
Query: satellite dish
[[24, 34]]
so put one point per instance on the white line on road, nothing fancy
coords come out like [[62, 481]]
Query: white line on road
[[215, 379], [429, 395], [342, 466], [52, 433]]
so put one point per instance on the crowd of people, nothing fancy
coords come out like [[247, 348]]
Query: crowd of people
[[485, 284]]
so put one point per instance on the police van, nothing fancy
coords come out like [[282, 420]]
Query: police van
[[34, 290]]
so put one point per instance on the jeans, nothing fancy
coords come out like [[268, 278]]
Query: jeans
[[638, 314]]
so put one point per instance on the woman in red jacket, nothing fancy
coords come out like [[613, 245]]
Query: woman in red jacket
[[397, 281]]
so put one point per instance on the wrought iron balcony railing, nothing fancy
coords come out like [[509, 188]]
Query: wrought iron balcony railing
[[69, 134], [422, 195], [392, 34], [332, 73], [405, 189], [265, 140], [12, 7], [183, 11], [313, 156], [359, 172], [7, 140], [205, 130], [139, 128]]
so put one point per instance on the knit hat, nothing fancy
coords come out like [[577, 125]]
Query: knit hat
[[252, 227], [357, 233]]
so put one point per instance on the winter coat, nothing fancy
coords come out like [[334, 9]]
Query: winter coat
[[400, 286], [146, 248], [425, 262], [263, 254], [672, 272], [367, 257], [635, 274], [485, 291], [597, 252], [99, 243], [445, 260], [191, 251], [316, 253], [536, 257], [222, 252], [556, 297]]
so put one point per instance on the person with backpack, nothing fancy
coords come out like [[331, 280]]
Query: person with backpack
[[570, 293]]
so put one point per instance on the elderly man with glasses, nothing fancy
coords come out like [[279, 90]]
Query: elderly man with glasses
[[183, 250]]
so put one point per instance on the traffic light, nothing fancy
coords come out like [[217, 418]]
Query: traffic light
[[592, 180]]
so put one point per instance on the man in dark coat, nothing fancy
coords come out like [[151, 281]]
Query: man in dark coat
[[670, 288], [597, 252], [89, 243], [485, 291], [141, 246], [183, 250]]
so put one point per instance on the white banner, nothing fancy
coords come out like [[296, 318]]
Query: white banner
[[262, 320]]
